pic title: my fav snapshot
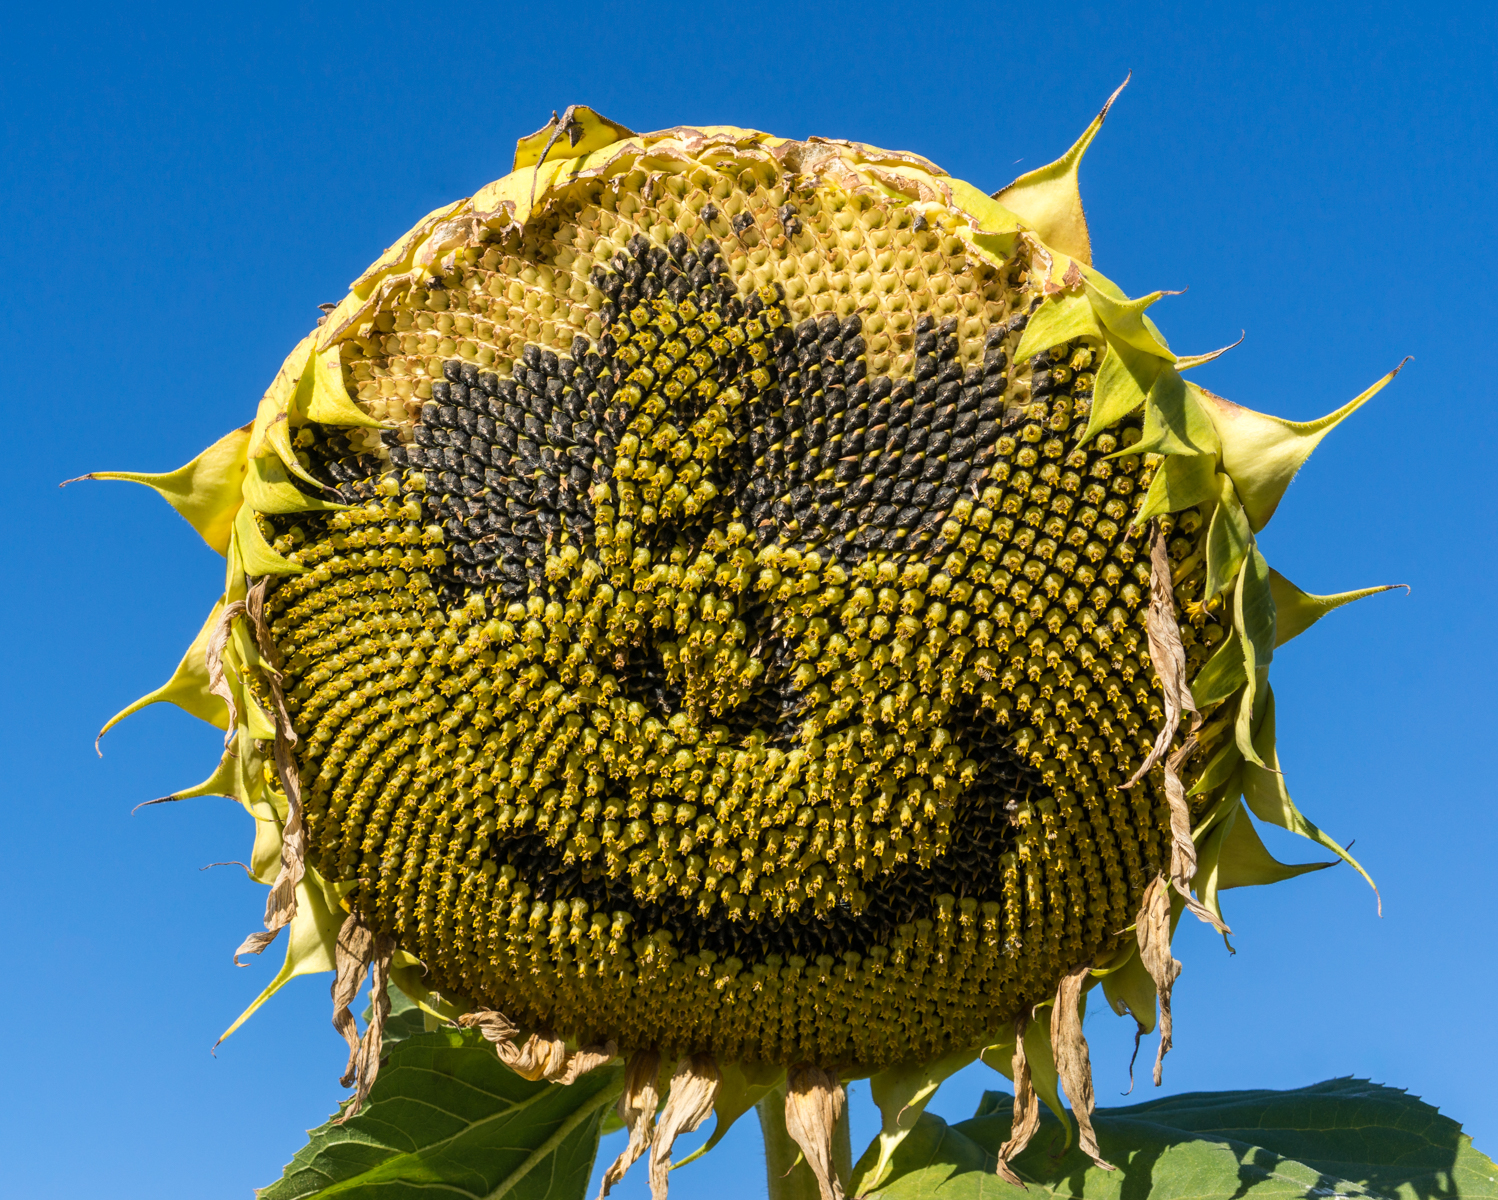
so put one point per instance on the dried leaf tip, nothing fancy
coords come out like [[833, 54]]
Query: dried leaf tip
[[351, 955], [694, 1087], [636, 1108], [1026, 1108], [1184, 362], [1073, 1064], [814, 1104], [213, 659], [585, 1059], [495, 1026], [364, 1063], [1152, 928], [543, 1055], [1168, 656]]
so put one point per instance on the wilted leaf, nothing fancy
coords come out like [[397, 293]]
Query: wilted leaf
[[1343, 1138]]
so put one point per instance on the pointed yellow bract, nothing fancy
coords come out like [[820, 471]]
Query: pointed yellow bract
[[1184, 362], [1049, 200], [206, 491], [225, 781], [256, 552], [265, 854], [330, 403], [1243, 860], [269, 489], [1228, 539], [1268, 799], [188, 686], [1296, 611], [1233, 855], [1123, 382], [1125, 318], [1174, 420], [312, 942], [1180, 482], [1263, 453]]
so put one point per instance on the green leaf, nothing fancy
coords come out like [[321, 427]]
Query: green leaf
[[1222, 676], [1123, 381], [447, 1118], [1181, 481], [1228, 538], [1062, 318], [1174, 421], [1267, 797], [1253, 622], [1345, 1137]]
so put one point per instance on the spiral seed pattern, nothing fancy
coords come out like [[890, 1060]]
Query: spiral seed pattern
[[730, 648]]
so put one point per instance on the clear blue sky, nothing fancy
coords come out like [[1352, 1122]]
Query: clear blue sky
[[181, 186]]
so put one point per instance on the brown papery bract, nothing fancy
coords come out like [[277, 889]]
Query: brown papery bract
[[1026, 1108], [350, 964], [814, 1104], [1069, 1047], [636, 1108], [694, 1087], [1152, 929]]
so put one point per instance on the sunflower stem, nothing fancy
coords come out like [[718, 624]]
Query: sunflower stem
[[787, 1175]]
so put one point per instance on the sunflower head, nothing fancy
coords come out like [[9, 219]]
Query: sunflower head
[[755, 604]]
